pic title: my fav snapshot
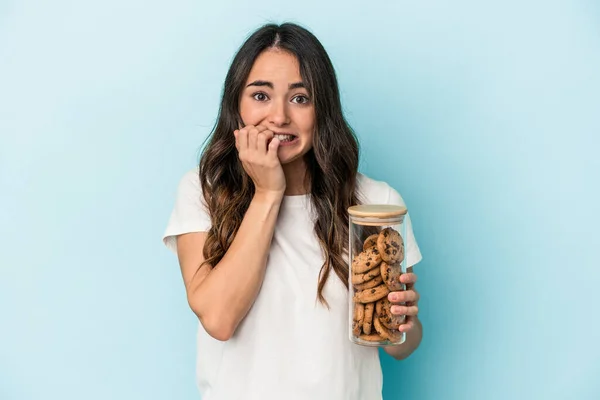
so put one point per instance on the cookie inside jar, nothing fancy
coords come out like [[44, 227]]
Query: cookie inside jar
[[376, 259]]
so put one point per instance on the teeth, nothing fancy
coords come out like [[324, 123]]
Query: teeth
[[285, 138]]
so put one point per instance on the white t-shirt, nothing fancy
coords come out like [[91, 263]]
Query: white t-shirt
[[288, 346]]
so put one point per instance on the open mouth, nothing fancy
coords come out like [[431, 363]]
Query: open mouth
[[285, 137]]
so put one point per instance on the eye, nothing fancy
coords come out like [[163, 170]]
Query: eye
[[300, 99], [260, 96]]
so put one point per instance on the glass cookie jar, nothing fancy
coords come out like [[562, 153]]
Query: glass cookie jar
[[376, 261]]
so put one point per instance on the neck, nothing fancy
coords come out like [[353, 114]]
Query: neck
[[295, 178]]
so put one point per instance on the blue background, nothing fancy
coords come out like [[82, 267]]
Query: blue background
[[484, 115]]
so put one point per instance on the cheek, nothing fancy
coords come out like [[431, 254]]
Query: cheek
[[309, 139], [250, 113], [307, 122]]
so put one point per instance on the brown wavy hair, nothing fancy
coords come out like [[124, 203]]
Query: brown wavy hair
[[332, 162]]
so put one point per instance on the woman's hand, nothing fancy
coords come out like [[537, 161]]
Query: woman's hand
[[405, 302], [259, 158]]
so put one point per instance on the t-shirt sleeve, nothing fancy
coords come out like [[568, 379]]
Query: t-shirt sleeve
[[413, 253], [189, 213]]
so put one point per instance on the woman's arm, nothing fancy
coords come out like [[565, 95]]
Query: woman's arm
[[413, 339], [222, 295]]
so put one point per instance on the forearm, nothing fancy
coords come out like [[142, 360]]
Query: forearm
[[225, 295], [413, 340]]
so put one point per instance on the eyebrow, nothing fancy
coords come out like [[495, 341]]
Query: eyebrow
[[295, 85]]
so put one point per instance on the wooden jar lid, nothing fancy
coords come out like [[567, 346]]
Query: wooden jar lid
[[376, 211]]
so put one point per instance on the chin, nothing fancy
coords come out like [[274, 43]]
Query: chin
[[287, 158], [292, 152]]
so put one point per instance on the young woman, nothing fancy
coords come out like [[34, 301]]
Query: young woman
[[261, 225]]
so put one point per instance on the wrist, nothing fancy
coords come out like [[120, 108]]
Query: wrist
[[269, 196]]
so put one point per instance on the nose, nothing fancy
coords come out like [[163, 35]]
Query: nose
[[278, 114]]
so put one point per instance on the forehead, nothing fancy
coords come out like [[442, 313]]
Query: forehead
[[275, 66]]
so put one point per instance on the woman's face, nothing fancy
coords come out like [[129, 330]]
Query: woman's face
[[274, 96]]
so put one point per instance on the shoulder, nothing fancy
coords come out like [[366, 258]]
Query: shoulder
[[189, 189], [190, 177], [189, 213], [377, 191], [189, 182]]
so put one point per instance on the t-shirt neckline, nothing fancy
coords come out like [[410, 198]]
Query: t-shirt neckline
[[299, 200]]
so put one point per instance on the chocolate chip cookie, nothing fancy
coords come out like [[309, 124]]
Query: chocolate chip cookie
[[366, 260], [390, 246], [390, 274]]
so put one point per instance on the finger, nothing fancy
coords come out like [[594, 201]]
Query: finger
[[404, 310], [235, 133], [268, 137], [252, 138], [403, 297], [273, 146], [243, 139], [261, 143], [263, 138], [408, 278], [407, 326], [269, 134]]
